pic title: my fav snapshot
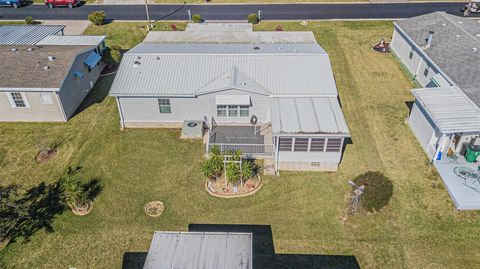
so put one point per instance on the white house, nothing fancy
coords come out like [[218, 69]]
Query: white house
[[269, 94]]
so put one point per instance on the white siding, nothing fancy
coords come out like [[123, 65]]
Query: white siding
[[38, 111], [423, 130], [145, 109]]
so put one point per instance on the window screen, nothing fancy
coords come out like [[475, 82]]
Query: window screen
[[285, 144], [164, 106], [317, 144], [301, 144], [334, 144]]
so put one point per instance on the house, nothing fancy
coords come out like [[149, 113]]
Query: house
[[46, 79], [27, 34], [268, 94], [441, 53], [191, 250]]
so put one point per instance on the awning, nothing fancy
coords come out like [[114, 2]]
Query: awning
[[78, 74], [241, 100], [92, 60]]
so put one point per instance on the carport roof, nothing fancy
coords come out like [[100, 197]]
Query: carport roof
[[308, 116], [450, 109], [27, 34]]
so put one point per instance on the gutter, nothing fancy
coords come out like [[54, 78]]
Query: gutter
[[57, 95]]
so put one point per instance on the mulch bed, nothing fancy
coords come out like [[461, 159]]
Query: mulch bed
[[154, 209], [45, 156], [382, 47], [218, 188]]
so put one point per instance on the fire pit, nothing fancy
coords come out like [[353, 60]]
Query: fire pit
[[382, 46]]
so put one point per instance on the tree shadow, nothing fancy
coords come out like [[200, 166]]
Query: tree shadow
[[263, 248], [23, 215]]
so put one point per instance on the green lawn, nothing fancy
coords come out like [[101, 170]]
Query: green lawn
[[418, 229]]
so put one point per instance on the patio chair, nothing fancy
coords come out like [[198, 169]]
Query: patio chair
[[452, 158]]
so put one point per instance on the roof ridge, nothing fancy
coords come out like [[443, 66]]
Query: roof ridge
[[444, 14]]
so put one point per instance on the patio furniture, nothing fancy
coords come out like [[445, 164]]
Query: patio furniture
[[473, 151], [453, 158]]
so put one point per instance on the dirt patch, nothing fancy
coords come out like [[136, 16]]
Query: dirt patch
[[154, 209], [45, 156], [81, 210]]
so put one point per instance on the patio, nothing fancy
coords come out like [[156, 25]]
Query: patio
[[251, 140], [464, 188]]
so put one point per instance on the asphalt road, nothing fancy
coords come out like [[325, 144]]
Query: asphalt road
[[236, 12]]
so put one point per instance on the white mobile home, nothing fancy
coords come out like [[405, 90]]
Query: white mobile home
[[266, 93]]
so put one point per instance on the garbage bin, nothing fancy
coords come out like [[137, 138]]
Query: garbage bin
[[473, 151]]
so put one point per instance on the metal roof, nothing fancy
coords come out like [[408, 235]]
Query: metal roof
[[455, 47], [449, 108], [193, 250], [88, 40], [215, 27], [308, 116], [230, 37], [27, 34], [227, 48], [279, 74]]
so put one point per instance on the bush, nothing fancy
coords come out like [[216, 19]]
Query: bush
[[116, 56], [197, 18], [97, 17], [29, 20], [378, 190], [252, 18]]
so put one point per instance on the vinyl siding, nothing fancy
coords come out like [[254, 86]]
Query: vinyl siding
[[36, 112], [74, 91], [423, 129], [145, 109]]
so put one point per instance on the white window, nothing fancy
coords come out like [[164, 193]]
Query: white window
[[334, 144], [317, 144], [301, 144], [46, 99], [233, 111], [164, 106], [18, 99], [221, 111], [285, 144], [244, 111]]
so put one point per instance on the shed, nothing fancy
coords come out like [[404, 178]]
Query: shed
[[193, 250]]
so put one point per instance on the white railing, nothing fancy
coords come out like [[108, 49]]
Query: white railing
[[246, 149]]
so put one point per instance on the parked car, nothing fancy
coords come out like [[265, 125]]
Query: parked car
[[68, 3], [471, 7], [12, 3]]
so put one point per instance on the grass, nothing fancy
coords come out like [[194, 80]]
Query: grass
[[418, 229]]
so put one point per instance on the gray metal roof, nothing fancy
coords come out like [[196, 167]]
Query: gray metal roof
[[25, 69], [227, 48], [193, 250], [87, 40], [308, 116], [455, 47], [215, 27], [450, 109], [27, 34], [230, 37]]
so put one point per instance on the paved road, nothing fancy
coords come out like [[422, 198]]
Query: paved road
[[236, 12]]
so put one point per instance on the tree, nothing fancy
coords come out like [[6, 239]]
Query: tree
[[44, 144], [29, 20], [252, 18], [97, 18], [197, 18], [378, 190]]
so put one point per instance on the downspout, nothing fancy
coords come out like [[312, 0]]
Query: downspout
[[122, 125], [61, 106], [277, 172]]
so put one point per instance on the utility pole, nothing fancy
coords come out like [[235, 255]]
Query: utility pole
[[149, 26], [189, 15]]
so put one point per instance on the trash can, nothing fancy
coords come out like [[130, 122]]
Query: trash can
[[463, 149], [473, 151]]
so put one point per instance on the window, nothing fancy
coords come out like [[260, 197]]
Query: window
[[317, 144], [18, 99], [222, 111], [164, 105], [244, 111], [232, 111], [285, 144], [301, 144], [46, 99], [425, 72], [334, 144], [410, 56]]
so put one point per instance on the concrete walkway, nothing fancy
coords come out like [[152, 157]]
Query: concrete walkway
[[73, 27]]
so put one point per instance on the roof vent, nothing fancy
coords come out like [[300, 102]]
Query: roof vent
[[256, 48], [478, 35], [428, 40], [444, 24], [30, 49], [51, 58], [474, 49], [138, 57], [461, 22], [14, 49], [158, 58], [136, 64], [46, 67]]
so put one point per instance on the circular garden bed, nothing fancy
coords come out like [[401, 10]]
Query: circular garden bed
[[46, 155], [154, 208], [218, 188]]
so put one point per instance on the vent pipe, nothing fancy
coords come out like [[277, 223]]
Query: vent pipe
[[428, 41]]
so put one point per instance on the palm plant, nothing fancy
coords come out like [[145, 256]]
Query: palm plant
[[73, 192], [216, 161], [208, 170]]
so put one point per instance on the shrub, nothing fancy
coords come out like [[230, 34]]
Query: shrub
[[29, 20], [197, 18], [97, 17], [278, 28], [116, 56], [252, 18], [378, 190]]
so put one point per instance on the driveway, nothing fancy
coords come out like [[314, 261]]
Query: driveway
[[72, 27]]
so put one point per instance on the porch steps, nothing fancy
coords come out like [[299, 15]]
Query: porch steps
[[269, 166]]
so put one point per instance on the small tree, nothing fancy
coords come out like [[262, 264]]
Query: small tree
[[197, 18], [378, 190], [29, 20], [252, 18], [74, 193], [44, 145], [97, 18]]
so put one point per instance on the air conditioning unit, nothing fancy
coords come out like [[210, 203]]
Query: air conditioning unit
[[192, 129]]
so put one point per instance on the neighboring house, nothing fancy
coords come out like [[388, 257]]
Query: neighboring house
[[46, 79], [27, 34], [269, 94], [192, 250], [441, 53]]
